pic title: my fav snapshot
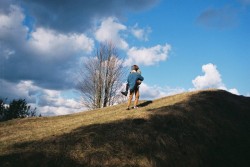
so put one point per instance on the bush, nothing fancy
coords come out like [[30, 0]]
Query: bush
[[16, 109]]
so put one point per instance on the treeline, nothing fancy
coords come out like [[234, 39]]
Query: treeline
[[15, 109]]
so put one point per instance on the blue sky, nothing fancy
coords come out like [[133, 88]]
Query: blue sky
[[179, 46], [195, 43]]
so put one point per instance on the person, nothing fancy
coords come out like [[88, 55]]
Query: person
[[136, 68], [133, 81]]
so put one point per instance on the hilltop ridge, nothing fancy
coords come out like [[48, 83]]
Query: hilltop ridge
[[200, 128]]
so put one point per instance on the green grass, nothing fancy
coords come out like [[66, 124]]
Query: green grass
[[201, 128]]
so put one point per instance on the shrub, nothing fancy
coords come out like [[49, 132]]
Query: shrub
[[15, 109]]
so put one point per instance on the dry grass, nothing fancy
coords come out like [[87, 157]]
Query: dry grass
[[202, 128]]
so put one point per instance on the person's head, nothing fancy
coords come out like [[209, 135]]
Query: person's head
[[134, 67]]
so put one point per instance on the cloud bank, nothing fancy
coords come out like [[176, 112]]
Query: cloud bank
[[43, 42], [78, 15], [49, 102], [43, 55]]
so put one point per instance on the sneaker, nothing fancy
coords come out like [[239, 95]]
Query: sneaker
[[127, 108], [135, 107], [125, 93]]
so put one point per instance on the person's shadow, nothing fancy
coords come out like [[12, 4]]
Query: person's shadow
[[145, 103]]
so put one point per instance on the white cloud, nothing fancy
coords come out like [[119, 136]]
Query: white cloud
[[49, 43], [51, 102], [155, 92], [234, 91], [139, 33], [55, 111], [43, 41], [211, 79], [22, 89], [148, 56], [48, 102], [109, 30]]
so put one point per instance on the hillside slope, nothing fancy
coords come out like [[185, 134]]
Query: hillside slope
[[202, 128]]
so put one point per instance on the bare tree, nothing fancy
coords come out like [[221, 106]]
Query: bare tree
[[101, 77]]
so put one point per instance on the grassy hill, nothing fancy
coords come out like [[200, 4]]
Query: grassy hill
[[201, 128]]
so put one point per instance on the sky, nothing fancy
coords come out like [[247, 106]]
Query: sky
[[180, 46]]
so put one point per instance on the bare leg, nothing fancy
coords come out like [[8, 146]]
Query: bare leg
[[137, 95], [131, 93]]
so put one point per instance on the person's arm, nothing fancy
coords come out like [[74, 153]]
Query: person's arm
[[140, 77]]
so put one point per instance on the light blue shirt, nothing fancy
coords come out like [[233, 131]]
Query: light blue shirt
[[132, 78]]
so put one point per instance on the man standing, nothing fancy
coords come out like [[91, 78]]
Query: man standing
[[134, 80]]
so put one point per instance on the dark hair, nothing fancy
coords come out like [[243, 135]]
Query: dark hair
[[134, 67]]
